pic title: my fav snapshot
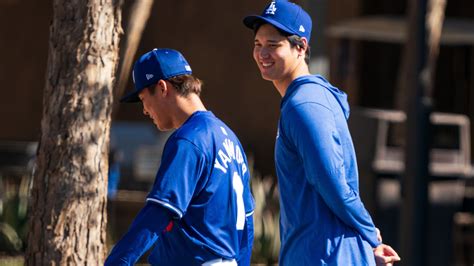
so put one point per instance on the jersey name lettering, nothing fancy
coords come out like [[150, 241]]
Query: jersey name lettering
[[226, 154]]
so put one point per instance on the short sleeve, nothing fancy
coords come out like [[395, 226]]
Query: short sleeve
[[181, 168], [249, 202]]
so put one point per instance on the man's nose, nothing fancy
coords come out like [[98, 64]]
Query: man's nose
[[264, 53]]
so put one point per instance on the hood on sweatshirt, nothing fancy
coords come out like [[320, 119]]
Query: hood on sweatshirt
[[340, 96]]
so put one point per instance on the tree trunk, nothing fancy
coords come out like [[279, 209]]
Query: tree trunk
[[68, 198], [139, 15]]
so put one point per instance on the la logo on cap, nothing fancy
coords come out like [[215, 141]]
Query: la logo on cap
[[302, 28], [271, 9], [149, 76]]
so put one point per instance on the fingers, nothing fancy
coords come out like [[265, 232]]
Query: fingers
[[385, 255], [386, 261], [388, 250]]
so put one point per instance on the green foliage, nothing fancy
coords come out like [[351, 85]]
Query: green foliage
[[11, 261], [266, 245], [13, 219]]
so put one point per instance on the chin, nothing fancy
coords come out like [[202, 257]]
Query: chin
[[266, 76], [163, 128], [158, 126]]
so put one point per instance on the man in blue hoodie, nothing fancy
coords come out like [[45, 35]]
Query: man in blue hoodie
[[323, 220]]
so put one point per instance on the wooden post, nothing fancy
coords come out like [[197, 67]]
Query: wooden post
[[471, 98], [413, 220]]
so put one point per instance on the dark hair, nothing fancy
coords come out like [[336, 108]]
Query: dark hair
[[184, 85], [295, 40]]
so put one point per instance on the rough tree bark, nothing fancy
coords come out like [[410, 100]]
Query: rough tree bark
[[68, 200]]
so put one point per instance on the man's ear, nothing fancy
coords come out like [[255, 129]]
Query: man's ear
[[162, 87], [302, 49]]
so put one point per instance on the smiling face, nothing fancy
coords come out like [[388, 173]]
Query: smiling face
[[276, 59]]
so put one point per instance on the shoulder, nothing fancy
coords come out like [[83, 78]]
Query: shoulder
[[203, 130], [306, 113], [194, 127], [308, 103], [307, 93]]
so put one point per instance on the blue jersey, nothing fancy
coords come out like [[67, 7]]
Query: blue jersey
[[323, 221], [203, 181]]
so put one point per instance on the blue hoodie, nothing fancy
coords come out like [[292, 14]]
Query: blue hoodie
[[323, 220]]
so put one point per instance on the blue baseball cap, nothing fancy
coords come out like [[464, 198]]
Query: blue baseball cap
[[286, 16], [153, 66]]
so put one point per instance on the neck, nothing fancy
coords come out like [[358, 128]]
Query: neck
[[185, 107], [282, 84]]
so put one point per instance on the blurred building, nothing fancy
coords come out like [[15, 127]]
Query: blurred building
[[211, 36]]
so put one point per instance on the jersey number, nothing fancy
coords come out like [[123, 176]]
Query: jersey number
[[239, 191]]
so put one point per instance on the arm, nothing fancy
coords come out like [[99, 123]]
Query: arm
[[312, 130], [143, 232]]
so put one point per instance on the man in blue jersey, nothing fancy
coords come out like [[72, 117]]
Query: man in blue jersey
[[199, 211], [323, 220]]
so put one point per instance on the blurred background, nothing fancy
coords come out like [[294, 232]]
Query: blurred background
[[359, 45]]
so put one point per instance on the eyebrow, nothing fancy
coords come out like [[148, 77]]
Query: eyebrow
[[270, 41]]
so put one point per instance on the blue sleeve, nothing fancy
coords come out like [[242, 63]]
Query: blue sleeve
[[179, 176], [312, 128], [141, 235], [249, 202], [245, 253]]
